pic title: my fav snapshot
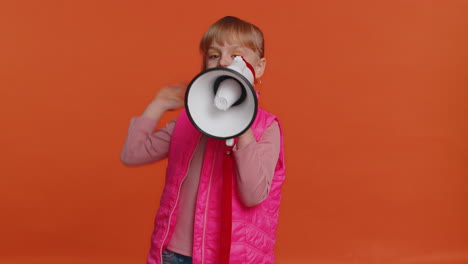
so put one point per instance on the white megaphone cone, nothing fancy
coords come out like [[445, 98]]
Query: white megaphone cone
[[228, 93], [221, 102]]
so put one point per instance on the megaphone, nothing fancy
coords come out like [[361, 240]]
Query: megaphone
[[221, 102]]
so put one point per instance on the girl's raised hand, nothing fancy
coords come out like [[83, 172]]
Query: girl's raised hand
[[168, 98], [172, 97]]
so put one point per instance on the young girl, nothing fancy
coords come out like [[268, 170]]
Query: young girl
[[188, 225]]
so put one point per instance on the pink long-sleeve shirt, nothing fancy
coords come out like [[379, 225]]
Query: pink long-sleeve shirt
[[255, 164]]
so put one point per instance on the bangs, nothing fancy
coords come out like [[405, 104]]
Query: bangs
[[233, 31]]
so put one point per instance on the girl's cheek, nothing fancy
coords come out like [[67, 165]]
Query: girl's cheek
[[210, 63]]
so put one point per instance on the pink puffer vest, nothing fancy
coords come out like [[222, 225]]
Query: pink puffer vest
[[253, 229]]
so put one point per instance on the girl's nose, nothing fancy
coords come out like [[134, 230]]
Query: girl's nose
[[225, 61]]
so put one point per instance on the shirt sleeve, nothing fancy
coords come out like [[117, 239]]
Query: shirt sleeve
[[255, 164], [143, 145]]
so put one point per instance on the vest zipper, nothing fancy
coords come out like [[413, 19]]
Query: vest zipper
[[176, 202], [207, 204]]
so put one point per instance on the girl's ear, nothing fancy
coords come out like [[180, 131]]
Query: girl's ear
[[260, 67]]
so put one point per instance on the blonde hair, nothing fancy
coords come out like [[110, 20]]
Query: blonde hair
[[231, 30]]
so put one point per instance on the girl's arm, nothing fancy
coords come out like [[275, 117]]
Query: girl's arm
[[142, 145], [255, 164]]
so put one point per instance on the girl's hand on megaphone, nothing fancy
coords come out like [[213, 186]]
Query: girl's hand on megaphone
[[168, 98], [245, 139]]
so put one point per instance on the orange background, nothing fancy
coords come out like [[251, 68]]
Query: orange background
[[372, 96]]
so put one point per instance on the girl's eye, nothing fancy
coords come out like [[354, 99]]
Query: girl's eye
[[213, 56]]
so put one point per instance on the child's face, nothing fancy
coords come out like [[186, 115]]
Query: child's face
[[222, 56]]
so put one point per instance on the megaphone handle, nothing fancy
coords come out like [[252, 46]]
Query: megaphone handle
[[230, 142]]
